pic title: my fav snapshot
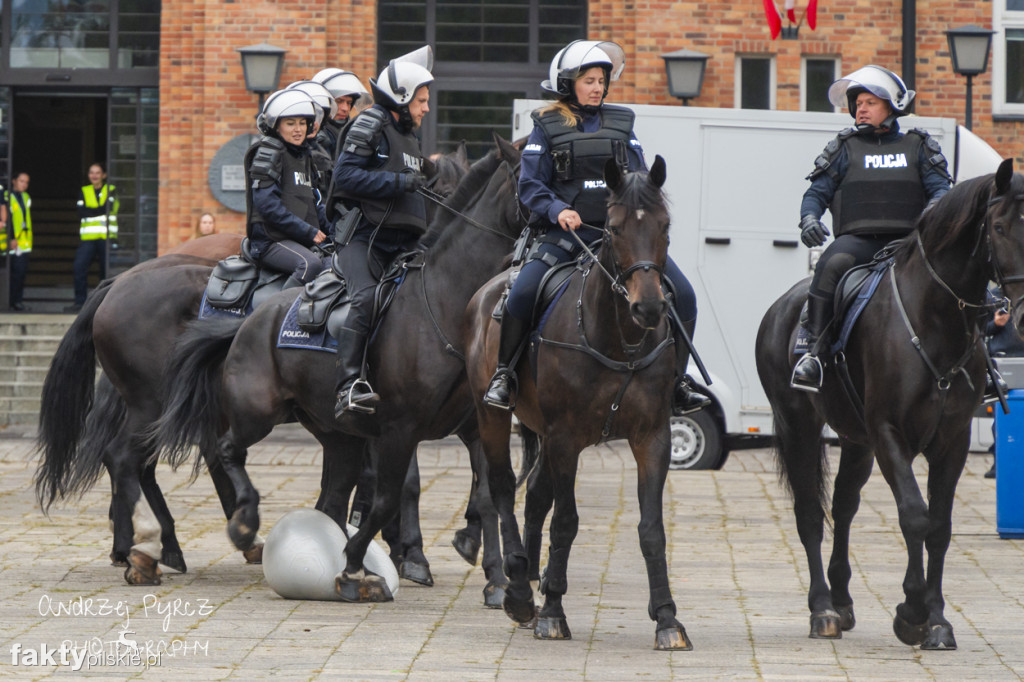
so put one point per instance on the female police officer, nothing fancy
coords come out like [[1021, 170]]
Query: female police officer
[[875, 181], [284, 219], [561, 182]]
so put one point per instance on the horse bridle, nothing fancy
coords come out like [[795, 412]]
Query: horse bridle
[[621, 274]]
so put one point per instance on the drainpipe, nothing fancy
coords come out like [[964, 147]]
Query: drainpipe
[[909, 43]]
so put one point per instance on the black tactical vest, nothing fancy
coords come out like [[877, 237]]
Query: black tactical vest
[[881, 192], [579, 158], [296, 182], [407, 211]]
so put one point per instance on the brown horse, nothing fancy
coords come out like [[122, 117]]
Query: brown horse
[[602, 369]]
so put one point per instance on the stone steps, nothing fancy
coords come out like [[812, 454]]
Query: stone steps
[[27, 345]]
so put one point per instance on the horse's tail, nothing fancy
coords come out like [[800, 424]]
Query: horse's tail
[[811, 475], [103, 424], [531, 453], [66, 399], [192, 402]]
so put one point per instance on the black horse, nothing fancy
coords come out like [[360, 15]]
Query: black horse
[[234, 374], [602, 369], [916, 373]]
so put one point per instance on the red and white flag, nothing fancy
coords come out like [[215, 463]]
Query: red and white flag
[[791, 10], [774, 20], [812, 13]]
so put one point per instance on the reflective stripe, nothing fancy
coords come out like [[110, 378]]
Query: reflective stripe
[[98, 227]]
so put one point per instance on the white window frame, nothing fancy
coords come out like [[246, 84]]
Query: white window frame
[[1003, 19], [738, 79], [803, 75]]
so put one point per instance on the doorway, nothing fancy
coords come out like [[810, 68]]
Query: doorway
[[54, 138]]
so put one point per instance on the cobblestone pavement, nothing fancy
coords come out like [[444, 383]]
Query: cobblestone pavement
[[736, 566]]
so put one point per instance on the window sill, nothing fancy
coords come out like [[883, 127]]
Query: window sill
[[1007, 118]]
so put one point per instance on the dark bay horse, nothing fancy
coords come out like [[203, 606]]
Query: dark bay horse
[[602, 369], [917, 367], [235, 374]]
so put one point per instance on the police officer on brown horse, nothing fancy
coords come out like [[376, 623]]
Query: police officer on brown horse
[[376, 203], [875, 180]]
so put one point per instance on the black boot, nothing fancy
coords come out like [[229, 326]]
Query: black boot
[[686, 397], [807, 373], [354, 393], [513, 334]]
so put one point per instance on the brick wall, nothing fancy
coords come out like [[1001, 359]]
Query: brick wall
[[203, 100]]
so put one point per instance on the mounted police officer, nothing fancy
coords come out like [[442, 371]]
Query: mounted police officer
[[346, 89], [378, 212], [876, 181], [561, 182], [323, 159], [284, 219]]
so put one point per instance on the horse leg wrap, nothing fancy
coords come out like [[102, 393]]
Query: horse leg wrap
[[554, 580]]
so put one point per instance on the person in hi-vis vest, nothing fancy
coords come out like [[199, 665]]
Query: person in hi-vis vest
[[97, 211], [19, 237]]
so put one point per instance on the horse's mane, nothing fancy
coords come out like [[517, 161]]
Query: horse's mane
[[636, 192], [959, 210], [473, 181]]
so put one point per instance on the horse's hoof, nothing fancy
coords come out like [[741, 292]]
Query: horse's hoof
[[371, 588], [494, 595], [672, 639], [416, 572], [826, 625], [254, 555], [940, 638], [519, 610], [846, 619], [467, 546], [174, 560], [551, 628], [909, 634], [242, 528], [142, 569], [118, 559], [528, 625]]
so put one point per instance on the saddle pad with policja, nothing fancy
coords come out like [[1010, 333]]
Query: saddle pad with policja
[[208, 311], [852, 295]]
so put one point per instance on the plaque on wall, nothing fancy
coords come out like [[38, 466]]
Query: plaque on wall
[[227, 172]]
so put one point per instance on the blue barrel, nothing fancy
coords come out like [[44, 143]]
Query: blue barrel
[[1010, 467]]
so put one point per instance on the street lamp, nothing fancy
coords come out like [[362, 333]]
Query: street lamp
[[968, 48], [685, 72], [261, 65]]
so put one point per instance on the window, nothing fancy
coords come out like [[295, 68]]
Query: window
[[1008, 57], [486, 54], [755, 78], [818, 74]]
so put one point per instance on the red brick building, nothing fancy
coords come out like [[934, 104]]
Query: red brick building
[[171, 93]]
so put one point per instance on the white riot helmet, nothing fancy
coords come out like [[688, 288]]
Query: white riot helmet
[[577, 57], [284, 104], [319, 94], [880, 82], [403, 76], [341, 83]]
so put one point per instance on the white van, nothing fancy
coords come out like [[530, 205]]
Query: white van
[[735, 181]]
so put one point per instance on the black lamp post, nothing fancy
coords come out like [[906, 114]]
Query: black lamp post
[[968, 48], [685, 71], [261, 65]]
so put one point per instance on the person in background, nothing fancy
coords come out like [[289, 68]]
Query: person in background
[[1003, 341], [346, 89], [205, 226], [97, 212], [18, 205]]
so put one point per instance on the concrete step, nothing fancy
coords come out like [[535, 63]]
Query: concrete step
[[50, 326], [21, 389], [36, 344], [25, 373], [11, 405], [11, 359]]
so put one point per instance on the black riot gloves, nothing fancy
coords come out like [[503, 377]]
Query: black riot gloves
[[812, 231], [410, 182]]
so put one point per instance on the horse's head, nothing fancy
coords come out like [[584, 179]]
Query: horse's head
[[636, 234], [1005, 232]]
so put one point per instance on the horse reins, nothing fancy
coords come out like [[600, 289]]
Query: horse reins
[[623, 274]]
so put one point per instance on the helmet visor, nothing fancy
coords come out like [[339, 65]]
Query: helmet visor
[[879, 82]]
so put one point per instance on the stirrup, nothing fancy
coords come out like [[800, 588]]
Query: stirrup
[[508, 404], [805, 385], [687, 399], [364, 405]]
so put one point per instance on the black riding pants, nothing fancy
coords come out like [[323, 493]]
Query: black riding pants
[[845, 252], [293, 258], [362, 264]]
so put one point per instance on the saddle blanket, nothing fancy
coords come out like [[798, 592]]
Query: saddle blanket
[[207, 311], [855, 299], [293, 336]]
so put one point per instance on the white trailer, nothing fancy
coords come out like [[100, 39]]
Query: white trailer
[[735, 181]]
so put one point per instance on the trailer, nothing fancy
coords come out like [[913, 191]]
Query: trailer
[[735, 181]]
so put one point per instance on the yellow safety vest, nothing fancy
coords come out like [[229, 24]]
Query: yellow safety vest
[[21, 223], [98, 227]]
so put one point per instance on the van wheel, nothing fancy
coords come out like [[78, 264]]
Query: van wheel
[[696, 442]]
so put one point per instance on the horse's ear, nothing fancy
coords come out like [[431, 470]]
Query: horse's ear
[[429, 167], [1003, 177], [505, 149], [657, 174], [612, 174], [461, 157]]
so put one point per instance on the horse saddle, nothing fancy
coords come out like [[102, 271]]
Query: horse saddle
[[235, 280]]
